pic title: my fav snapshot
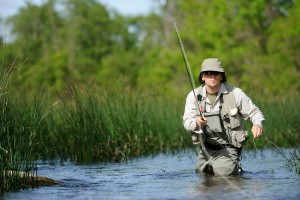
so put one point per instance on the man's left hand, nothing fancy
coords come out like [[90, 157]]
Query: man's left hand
[[257, 131]]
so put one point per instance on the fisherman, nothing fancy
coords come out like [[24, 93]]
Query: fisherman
[[216, 121]]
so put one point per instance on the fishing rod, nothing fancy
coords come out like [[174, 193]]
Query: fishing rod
[[192, 82], [188, 69]]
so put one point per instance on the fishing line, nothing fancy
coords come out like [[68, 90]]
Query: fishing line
[[277, 147], [279, 150], [291, 160], [259, 161]]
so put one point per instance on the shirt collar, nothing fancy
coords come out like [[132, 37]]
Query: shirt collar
[[223, 90]]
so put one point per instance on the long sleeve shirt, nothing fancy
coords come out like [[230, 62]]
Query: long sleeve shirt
[[244, 104]]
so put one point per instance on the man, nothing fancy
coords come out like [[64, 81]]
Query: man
[[215, 120]]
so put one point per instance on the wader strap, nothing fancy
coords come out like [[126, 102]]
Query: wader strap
[[221, 102], [221, 147]]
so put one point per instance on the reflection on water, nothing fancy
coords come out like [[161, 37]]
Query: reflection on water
[[220, 187], [167, 177]]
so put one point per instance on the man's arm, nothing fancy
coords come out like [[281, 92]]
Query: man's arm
[[250, 111]]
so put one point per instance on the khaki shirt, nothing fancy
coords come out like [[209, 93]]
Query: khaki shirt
[[245, 105]]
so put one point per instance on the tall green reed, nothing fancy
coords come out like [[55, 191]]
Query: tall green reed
[[15, 155], [111, 124], [291, 156], [281, 129], [21, 119], [281, 126]]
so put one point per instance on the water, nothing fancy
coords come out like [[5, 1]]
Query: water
[[166, 177]]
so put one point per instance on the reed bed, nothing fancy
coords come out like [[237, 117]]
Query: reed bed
[[114, 125], [94, 124], [19, 125], [292, 157], [281, 127]]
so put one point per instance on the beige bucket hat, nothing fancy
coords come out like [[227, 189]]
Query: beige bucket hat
[[212, 64]]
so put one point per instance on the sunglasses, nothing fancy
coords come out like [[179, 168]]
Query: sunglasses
[[209, 73]]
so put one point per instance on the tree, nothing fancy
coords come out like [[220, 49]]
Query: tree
[[238, 33], [64, 47], [84, 41]]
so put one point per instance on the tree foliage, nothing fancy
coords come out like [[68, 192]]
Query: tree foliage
[[83, 41]]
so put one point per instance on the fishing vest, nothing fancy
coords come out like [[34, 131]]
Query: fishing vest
[[227, 122]]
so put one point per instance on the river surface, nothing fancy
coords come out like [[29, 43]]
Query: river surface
[[166, 177]]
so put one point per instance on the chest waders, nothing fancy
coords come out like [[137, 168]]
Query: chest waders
[[225, 124]]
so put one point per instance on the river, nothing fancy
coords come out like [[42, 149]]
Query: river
[[166, 177]]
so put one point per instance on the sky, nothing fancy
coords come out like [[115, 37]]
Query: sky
[[126, 7]]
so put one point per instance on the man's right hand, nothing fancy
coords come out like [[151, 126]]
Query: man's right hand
[[201, 122]]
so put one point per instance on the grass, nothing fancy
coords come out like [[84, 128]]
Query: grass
[[112, 124], [281, 126], [18, 127], [109, 125], [104, 124], [21, 121], [281, 129]]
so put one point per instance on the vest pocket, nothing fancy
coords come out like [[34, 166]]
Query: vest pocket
[[239, 138], [234, 118]]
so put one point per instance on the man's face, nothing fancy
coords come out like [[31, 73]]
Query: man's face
[[212, 78]]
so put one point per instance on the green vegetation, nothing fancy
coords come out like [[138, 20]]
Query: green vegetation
[[83, 41], [19, 124], [113, 125], [292, 158], [282, 122], [102, 125], [116, 124], [91, 85], [96, 124]]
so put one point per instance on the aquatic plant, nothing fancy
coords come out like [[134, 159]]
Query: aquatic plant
[[281, 126], [109, 125], [113, 123], [16, 139], [21, 120], [292, 157], [294, 162]]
